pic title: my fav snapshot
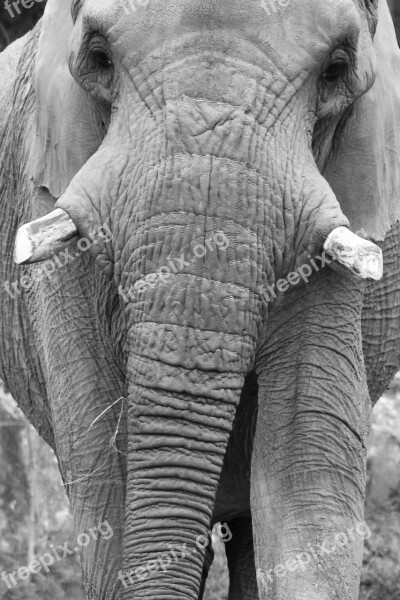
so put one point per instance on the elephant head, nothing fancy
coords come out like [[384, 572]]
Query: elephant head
[[222, 144]]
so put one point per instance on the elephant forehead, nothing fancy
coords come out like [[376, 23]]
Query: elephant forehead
[[293, 32]]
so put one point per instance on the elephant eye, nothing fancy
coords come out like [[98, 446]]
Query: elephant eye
[[101, 59], [93, 67], [336, 71]]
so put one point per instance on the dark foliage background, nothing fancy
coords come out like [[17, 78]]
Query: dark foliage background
[[15, 27]]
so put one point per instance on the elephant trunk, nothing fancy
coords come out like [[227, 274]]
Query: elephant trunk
[[309, 457], [181, 410], [193, 314]]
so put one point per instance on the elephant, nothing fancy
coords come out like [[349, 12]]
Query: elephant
[[143, 214]]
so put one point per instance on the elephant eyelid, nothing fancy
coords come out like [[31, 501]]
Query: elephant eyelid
[[94, 60], [99, 49], [338, 82], [338, 65], [92, 67]]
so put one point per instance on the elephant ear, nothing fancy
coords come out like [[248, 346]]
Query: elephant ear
[[68, 125], [364, 167]]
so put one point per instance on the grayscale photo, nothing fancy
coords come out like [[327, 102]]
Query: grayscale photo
[[199, 300]]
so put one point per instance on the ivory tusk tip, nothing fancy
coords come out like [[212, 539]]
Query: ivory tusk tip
[[23, 249], [361, 257], [39, 240], [371, 267]]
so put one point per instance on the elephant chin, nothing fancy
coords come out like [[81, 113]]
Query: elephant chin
[[41, 239]]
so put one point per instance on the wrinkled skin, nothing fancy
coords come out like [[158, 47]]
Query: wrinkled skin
[[169, 125]]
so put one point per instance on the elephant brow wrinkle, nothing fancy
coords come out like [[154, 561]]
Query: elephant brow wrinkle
[[76, 9]]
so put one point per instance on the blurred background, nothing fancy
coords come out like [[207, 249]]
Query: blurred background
[[16, 26], [34, 510]]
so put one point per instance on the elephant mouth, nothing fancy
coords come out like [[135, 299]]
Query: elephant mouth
[[41, 239]]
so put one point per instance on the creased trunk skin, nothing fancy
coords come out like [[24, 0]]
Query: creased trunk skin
[[178, 441], [308, 467], [191, 342]]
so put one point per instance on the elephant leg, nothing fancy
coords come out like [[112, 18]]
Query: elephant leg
[[89, 420], [309, 456], [240, 555], [381, 320], [233, 497], [208, 560]]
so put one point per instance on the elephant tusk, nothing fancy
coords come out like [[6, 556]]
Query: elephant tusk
[[41, 239], [361, 257]]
